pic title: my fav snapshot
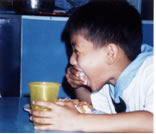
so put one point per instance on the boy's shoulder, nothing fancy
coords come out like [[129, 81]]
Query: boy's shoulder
[[143, 80], [147, 66]]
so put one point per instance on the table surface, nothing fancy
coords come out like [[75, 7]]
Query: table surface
[[13, 118]]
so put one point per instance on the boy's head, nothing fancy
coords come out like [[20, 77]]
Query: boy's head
[[106, 37], [109, 21]]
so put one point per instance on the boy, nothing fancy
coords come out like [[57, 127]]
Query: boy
[[106, 39]]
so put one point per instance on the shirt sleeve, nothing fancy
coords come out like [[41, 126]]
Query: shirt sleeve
[[148, 90], [146, 83], [149, 102]]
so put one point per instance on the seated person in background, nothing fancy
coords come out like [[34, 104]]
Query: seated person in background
[[106, 38]]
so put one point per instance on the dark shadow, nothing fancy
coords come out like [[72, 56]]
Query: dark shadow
[[10, 32], [68, 89], [66, 39]]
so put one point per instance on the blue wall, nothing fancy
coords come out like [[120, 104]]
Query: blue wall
[[43, 53]]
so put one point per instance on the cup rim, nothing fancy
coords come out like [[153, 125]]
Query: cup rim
[[43, 83]]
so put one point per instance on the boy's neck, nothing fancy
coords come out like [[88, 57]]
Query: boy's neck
[[119, 66]]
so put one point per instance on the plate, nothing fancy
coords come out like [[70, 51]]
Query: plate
[[27, 107]]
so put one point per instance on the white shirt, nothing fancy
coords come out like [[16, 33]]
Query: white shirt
[[137, 96]]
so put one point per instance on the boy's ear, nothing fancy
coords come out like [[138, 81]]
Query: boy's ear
[[112, 51]]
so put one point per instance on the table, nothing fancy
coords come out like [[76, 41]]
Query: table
[[13, 118]]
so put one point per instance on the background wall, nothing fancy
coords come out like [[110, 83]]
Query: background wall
[[43, 53]]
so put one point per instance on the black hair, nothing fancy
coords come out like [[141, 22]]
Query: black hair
[[109, 21]]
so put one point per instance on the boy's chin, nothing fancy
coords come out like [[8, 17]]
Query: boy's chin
[[95, 89]]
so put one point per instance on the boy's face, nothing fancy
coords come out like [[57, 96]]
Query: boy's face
[[92, 61]]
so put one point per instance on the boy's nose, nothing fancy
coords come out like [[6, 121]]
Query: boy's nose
[[73, 59]]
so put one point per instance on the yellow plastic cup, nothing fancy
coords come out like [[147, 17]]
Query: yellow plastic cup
[[43, 91]]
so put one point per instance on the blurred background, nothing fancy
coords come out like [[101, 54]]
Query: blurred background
[[145, 7]]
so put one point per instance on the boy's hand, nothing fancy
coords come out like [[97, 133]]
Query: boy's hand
[[62, 116], [75, 77]]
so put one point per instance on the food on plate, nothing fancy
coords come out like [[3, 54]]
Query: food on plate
[[82, 106]]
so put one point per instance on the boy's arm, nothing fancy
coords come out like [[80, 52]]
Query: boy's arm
[[141, 121], [83, 94]]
